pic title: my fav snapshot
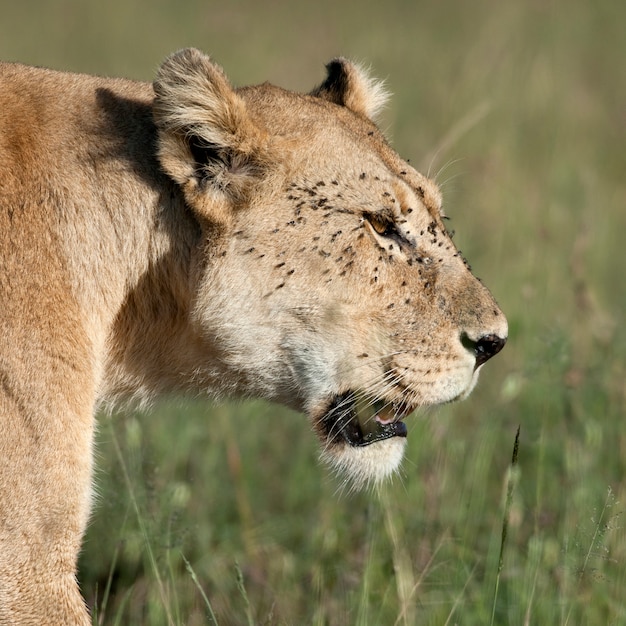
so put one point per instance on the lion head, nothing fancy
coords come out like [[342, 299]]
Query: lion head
[[328, 281]]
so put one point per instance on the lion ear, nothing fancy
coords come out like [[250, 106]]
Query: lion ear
[[207, 141], [348, 84]]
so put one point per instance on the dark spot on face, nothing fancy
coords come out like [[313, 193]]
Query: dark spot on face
[[362, 176], [334, 182], [420, 191], [280, 286], [290, 272], [407, 301], [370, 133], [279, 265], [390, 306], [249, 250], [363, 356]]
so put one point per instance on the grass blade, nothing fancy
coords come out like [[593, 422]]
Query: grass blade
[[505, 521]]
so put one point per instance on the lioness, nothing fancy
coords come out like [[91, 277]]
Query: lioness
[[186, 235]]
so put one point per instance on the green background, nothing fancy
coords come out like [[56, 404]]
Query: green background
[[222, 513]]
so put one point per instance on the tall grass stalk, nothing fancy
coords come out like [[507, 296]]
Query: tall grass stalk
[[364, 598], [122, 606], [460, 595], [142, 527], [511, 480], [402, 566], [244, 594], [196, 582], [99, 610], [601, 525]]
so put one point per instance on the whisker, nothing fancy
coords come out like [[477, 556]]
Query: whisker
[[444, 167]]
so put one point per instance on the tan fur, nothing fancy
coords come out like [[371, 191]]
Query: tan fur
[[189, 236]]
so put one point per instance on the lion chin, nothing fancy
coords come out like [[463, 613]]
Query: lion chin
[[365, 466]]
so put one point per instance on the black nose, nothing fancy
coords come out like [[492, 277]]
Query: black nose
[[483, 349]]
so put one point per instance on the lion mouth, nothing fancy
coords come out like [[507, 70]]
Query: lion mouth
[[361, 421]]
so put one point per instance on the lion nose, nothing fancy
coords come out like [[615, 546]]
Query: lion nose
[[484, 348]]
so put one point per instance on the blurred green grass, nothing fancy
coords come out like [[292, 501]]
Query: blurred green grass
[[519, 111]]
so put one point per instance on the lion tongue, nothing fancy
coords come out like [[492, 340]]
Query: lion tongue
[[370, 413], [386, 415]]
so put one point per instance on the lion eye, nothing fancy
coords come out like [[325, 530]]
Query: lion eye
[[382, 226]]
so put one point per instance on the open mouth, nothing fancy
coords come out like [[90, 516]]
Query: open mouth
[[361, 421]]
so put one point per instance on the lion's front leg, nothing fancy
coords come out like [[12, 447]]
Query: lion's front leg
[[45, 473]]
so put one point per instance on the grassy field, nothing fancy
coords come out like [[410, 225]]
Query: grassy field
[[222, 514]]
